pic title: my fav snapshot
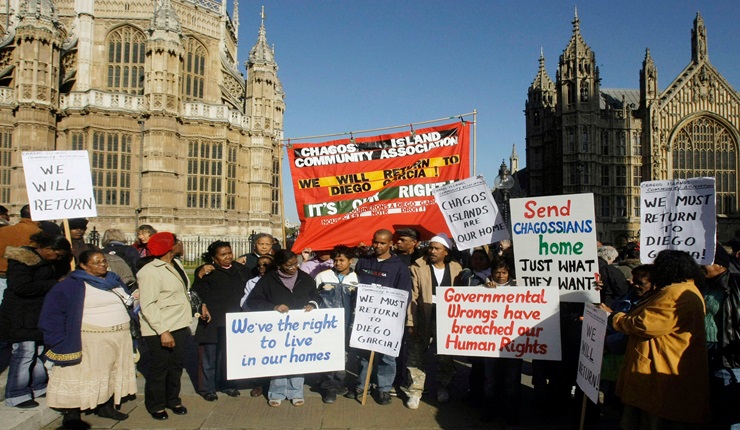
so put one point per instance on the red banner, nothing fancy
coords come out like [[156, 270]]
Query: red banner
[[347, 189]]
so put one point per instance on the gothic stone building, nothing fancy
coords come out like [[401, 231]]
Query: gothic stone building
[[177, 137], [584, 138]]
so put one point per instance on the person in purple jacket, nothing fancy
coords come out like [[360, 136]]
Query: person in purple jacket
[[386, 269]]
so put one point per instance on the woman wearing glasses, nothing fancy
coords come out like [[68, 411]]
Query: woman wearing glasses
[[283, 290]]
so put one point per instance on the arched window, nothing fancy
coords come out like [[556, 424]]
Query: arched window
[[193, 70], [126, 58], [704, 147]]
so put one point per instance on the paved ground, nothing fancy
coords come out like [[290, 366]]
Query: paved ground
[[253, 413]]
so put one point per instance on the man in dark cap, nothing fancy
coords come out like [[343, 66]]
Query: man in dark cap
[[722, 298], [77, 228], [734, 243], [407, 241]]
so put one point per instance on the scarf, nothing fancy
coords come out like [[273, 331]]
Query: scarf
[[108, 283], [288, 280]]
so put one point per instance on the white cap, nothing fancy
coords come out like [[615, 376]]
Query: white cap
[[442, 239]]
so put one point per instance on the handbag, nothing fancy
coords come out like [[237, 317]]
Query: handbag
[[134, 325]]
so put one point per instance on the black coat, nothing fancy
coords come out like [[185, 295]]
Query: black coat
[[221, 291], [29, 279], [270, 292]]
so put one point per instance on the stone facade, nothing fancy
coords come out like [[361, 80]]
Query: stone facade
[[585, 138], [177, 137]]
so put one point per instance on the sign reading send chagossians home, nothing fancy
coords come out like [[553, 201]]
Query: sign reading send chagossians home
[[346, 189]]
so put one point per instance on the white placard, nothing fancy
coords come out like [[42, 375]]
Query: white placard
[[555, 244], [678, 214], [592, 351], [59, 185], [380, 315], [271, 344], [514, 322], [470, 213]]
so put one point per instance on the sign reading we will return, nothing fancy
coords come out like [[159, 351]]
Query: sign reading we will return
[[59, 184]]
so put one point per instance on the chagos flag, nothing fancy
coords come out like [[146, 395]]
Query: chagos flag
[[346, 189]]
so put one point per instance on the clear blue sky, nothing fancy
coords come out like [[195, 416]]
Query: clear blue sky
[[356, 65]]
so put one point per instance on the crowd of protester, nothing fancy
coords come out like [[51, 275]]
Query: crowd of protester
[[75, 331]]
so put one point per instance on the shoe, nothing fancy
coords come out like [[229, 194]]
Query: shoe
[[232, 392], [73, 421], [160, 416], [356, 394], [211, 397], [297, 402], [413, 402], [274, 403], [342, 391], [28, 404], [384, 398], [107, 411], [330, 396], [256, 391], [179, 410], [393, 392], [443, 396]]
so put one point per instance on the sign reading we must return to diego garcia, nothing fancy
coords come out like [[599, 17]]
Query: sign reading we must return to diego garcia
[[59, 184], [555, 244]]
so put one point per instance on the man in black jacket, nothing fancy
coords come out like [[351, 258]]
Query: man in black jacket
[[722, 297]]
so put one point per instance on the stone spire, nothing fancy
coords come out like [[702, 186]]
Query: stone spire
[[699, 40], [542, 80], [513, 160], [577, 46], [648, 78], [261, 53], [165, 21]]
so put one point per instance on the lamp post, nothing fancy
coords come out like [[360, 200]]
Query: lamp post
[[504, 182]]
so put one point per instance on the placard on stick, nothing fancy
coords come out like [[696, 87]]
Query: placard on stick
[[555, 244], [59, 185], [592, 351], [514, 322], [678, 214], [470, 213], [271, 343], [380, 314]]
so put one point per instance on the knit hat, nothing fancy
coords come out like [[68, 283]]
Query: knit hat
[[442, 239], [161, 243], [77, 223], [721, 256], [407, 232]]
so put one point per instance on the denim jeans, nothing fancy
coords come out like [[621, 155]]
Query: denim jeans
[[386, 371], [286, 387], [26, 374]]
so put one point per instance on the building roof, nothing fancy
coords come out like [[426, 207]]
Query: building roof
[[614, 98]]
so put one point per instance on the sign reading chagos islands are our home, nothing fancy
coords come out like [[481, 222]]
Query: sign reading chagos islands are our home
[[59, 184]]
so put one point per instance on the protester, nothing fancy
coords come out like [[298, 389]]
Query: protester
[[612, 282], [265, 263], [15, 235], [503, 384], [220, 285], [316, 262], [261, 245], [283, 290], [165, 318], [663, 383], [629, 258], [337, 288], [477, 274], [114, 243], [428, 273], [31, 274], [407, 243], [4, 216], [722, 323], [734, 245], [77, 228], [86, 327], [143, 233], [387, 270]]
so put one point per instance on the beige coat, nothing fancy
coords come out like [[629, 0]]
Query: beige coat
[[164, 301], [665, 369], [419, 314]]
